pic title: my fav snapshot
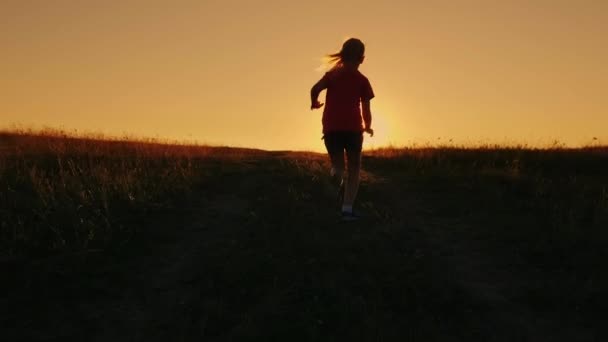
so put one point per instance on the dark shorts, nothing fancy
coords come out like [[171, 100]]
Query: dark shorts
[[338, 142]]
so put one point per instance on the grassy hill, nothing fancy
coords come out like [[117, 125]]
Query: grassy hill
[[140, 240]]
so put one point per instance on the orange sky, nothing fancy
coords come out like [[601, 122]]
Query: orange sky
[[239, 72]]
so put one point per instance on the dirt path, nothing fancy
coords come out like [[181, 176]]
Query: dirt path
[[492, 279], [258, 255]]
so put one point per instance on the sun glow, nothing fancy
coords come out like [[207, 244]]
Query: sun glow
[[383, 130], [490, 72]]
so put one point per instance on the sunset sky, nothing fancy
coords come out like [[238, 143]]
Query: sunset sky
[[239, 72]]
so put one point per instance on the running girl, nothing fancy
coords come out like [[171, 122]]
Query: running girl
[[348, 95]]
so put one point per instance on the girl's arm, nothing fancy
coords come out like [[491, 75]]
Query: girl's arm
[[314, 93], [367, 117]]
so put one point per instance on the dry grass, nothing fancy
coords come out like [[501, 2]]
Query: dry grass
[[62, 192], [565, 190], [250, 244]]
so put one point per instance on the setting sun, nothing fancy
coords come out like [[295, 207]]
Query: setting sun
[[383, 135]]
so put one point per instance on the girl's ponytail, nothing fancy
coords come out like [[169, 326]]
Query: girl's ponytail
[[353, 51]]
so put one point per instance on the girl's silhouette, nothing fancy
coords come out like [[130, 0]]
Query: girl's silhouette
[[348, 91]]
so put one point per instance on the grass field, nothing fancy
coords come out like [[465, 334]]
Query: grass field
[[142, 240]]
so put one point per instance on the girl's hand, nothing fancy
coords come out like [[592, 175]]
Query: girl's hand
[[316, 105], [369, 131]]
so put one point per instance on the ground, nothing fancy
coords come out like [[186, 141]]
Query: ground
[[257, 253]]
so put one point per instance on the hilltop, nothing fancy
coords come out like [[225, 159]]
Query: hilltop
[[141, 240]]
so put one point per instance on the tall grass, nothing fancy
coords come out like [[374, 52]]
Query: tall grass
[[565, 189], [62, 193]]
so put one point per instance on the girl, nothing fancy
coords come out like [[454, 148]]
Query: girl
[[343, 123]]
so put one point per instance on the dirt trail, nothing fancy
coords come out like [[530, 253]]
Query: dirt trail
[[493, 285]]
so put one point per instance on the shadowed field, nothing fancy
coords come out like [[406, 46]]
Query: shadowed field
[[136, 240]]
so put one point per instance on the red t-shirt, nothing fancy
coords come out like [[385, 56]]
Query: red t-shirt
[[346, 88]]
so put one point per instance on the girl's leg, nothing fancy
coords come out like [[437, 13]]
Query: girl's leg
[[353, 154], [337, 165], [352, 183], [335, 149]]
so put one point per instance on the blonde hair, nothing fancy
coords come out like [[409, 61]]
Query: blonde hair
[[353, 51]]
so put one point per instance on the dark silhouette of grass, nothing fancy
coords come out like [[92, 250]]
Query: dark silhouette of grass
[[143, 240], [69, 194]]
